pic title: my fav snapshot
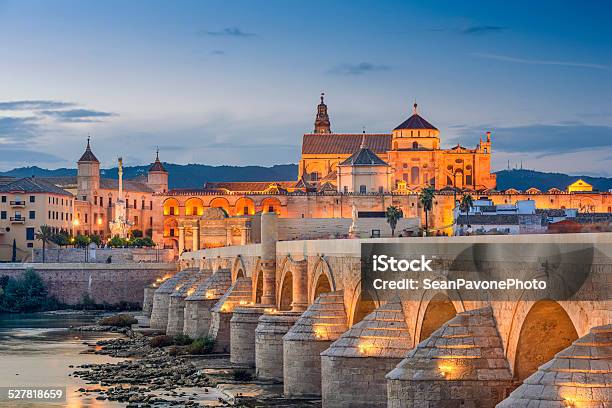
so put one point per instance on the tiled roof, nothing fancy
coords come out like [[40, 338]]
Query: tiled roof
[[324, 320], [415, 122], [157, 165], [344, 143], [88, 155], [63, 181], [32, 185], [244, 186], [128, 185], [364, 157], [6, 180]]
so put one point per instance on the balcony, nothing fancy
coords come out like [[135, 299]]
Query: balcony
[[17, 220], [18, 203]]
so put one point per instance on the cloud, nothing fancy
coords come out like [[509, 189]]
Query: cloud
[[33, 105], [228, 32], [357, 69], [542, 139], [218, 52], [77, 115], [20, 157], [482, 29], [507, 58], [17, 129]]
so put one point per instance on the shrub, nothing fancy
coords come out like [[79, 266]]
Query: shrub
[[182, 340], [174, 351], [119, 320], [161, 341], [136, 233], [96, 239], [117, 242], [203, 345], [26, 294], [142, 242], [81, 241], [242, 375]]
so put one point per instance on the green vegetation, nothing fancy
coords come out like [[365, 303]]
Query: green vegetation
[[203, 345], [182, 340], [25, 294], [44, 234], [393, 214], [81, 241], [242, 375], [426, 198], [161, 341], [467, 202], [118, 320]]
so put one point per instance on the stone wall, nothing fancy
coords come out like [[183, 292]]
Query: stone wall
[[320, 228], [104, 283], [100, 255]]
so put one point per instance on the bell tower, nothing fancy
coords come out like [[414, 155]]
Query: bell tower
[[157, 177], [88, 175], [322, 124]]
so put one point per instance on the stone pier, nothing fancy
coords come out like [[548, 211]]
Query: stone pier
[[316, 329], [147, 302], [240, 293], [353, 368], [242, 334], [176, 307], [578, 376], [269, 344], [161, 299], [462, 364], [197, 313]]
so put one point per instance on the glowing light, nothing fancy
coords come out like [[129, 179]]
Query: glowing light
[[446, 369], [319, 332], [270, 310], [569, 402], [365, 348], [99, 221], [243, 302], [190, 291], [75, 222], [210, 294]]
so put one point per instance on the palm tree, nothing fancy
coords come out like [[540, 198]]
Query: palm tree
[[467, 202], [44, 234], [393, 215], [426, 198]]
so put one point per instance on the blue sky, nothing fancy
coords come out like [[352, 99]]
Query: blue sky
[[237, 82]]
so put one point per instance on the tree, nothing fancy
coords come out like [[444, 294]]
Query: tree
[[426, 197], [393, 214], [81, 241], [44, 234], [117, 242], [467, 202], [136, 233], [60, 239], [96, 239]]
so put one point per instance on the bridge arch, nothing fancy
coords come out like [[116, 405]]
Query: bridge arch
[[359, 307], [257, 283], [322, 281], [238, 269], [431, 312], [546, 330]]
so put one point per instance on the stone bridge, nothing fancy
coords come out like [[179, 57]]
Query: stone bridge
[[293, 311]]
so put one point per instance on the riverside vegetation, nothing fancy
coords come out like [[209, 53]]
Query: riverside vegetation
[[162, 371]]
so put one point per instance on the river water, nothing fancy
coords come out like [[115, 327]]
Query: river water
[[36, 350]]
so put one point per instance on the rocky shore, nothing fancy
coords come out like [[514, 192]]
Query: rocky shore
[[151, 377]]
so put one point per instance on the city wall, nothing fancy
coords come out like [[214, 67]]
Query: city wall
[[101, 255], [104, 283]]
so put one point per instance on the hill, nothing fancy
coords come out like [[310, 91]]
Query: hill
[[179, 175], [195, 175], [524, 179]]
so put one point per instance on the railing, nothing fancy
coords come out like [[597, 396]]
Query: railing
[[18, 203], [17, 220]]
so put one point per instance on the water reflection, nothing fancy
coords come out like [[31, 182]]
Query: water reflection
[[36, 350]]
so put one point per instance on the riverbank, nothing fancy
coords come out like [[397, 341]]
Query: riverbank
[[166, 376]]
